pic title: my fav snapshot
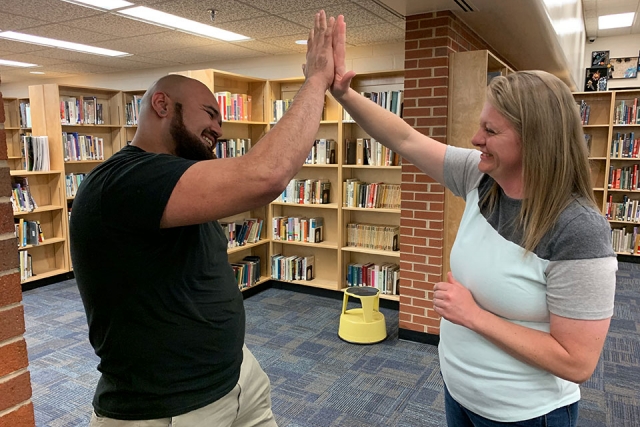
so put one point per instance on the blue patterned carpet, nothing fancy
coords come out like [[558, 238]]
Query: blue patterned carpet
[[317, 379]]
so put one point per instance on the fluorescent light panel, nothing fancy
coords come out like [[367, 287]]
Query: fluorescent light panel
[[36, 72], [44, 41], [103, 4], [301, 41], [182, 24], [16, 63], [619, 20]]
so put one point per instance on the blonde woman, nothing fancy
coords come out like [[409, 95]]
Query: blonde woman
[[527, 304]]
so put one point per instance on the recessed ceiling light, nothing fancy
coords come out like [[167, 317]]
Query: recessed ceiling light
[[16, 63], [618, 20], [36, 72], [102, 4], [182, 24], [301, 42], [44, 41]]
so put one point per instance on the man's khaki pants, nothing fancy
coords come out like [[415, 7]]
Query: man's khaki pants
[[247, 405]]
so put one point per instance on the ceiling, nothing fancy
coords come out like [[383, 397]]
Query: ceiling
[[272, 25]]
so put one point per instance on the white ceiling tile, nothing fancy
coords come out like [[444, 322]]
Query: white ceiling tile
[[114, 25], [384, 13], [17, 75], [265, 46], [196, 10], [270, 26], [167, 40], [277, 7], [382, 33], [47, 10], [78, 68], [10, 22], [222, 51], [354, 16], [33, 58], [288, 42]]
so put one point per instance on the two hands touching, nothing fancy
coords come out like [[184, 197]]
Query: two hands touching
[[326, 50]]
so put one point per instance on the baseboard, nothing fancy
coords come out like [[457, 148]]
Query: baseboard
[[326, 293], [421, 337], [47, 281], [253, 290], [634, 259]]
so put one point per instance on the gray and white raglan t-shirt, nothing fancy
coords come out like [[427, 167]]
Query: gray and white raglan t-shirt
[[571, 273]]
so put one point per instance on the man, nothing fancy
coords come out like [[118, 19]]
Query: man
[[165, 314]]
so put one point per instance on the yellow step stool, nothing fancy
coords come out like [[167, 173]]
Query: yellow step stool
[[364, 325]]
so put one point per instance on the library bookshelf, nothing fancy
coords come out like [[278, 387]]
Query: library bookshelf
[[117, 128], [610, 123], [333, 255]]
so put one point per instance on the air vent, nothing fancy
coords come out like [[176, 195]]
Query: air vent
[[466, 6]]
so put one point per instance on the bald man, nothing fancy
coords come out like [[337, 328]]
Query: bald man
[[165, 314]]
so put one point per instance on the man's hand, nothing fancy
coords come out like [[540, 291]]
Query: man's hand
[[320, 50], [342, 78], [455, 303]]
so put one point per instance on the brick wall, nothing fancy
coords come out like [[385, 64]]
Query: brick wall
[[16, 409], [429, 39]]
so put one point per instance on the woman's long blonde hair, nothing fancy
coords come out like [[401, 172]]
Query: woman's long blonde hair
[[555, 163]]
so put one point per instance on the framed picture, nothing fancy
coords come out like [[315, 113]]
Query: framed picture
[[595, 80], [599, 58], [624, 68]]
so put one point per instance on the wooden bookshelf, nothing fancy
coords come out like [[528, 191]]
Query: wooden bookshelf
[[469, 76], [332, 256], [606, 126]]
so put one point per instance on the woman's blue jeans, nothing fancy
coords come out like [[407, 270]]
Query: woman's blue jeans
[[459, 416]]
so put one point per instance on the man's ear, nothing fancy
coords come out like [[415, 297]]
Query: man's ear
[[160, 103]]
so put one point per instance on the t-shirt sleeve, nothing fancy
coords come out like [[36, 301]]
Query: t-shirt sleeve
[[461, 174], [581, 276], [138, 192]]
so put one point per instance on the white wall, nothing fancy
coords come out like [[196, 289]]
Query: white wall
[[361, 59], [618, 47]]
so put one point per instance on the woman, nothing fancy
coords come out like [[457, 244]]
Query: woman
[[527, 305]]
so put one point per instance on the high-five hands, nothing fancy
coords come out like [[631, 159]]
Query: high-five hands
[[342, 78], [455, 303], [320, 50]]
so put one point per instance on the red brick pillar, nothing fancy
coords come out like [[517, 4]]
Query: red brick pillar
[[429, 39], [16, 409]]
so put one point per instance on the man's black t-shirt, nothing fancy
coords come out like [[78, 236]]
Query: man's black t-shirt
[[165, 314]]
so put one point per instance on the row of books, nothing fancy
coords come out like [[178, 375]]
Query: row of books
[[385, 277], [241, 233], [323, 152], [625, 241], [72, 183], [368, 151], [377, 195], [247, 271], [298, 229], [372, 236], [623, 178], [84, 110], [627, 113], [82, 147], [234, 147], [26, 265], [132, 110], [293, 267], [306, 192], [280, 106], [585, 111], [234, 106], [627, 210], [25, 114], [391, 100], [28, 232], [21, 198], [35, 153], [625, 146]]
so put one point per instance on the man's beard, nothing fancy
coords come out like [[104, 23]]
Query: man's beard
[[188, 145]]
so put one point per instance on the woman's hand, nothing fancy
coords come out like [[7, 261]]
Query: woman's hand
[[455, 303]]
